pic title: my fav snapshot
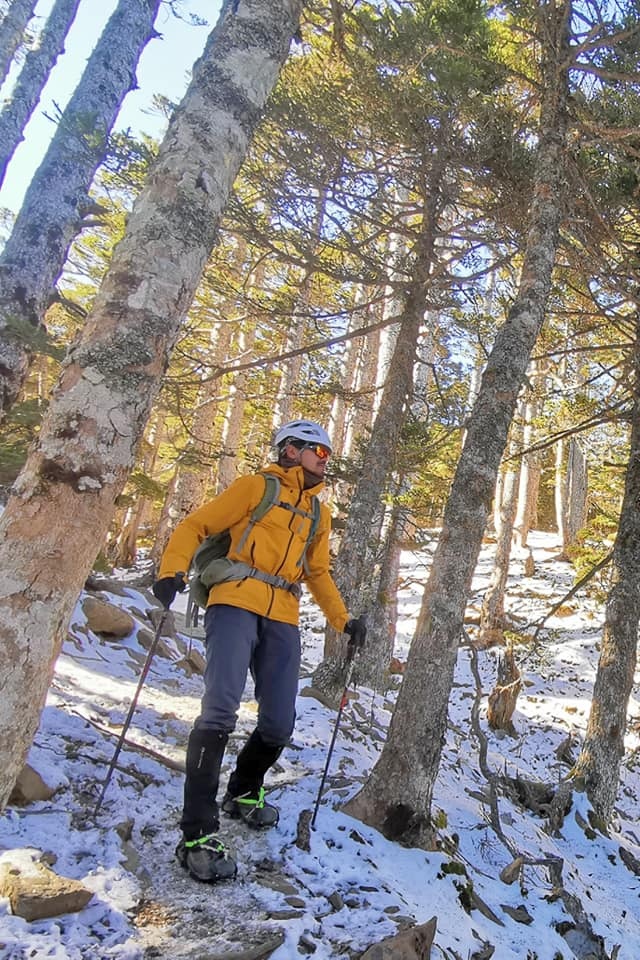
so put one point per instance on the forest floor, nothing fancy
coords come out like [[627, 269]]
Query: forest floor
[[574, 894]]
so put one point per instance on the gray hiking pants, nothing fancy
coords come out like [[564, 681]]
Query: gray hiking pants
[[238, 642]]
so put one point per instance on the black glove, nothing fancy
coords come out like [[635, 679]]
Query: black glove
[[357, 631], [166, 588]]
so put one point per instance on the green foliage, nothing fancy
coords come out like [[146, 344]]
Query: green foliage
[[16, 433], [593, 544], [35, 339]]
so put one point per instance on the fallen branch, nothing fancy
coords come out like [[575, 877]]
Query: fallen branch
[[177, 765]]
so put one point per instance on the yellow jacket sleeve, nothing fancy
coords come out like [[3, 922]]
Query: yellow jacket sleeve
[[318, 575]]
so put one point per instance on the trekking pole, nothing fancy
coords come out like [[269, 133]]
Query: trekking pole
[[132, 707], [343, 702]]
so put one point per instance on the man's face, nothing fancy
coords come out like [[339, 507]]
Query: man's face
[[312, 457]]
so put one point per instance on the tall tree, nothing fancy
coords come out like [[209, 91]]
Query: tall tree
[[12, 29], [57, 518], [57, 199], [397, 796], [598, 766], [33, 76]]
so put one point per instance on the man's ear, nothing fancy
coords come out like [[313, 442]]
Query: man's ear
[[291, 452]]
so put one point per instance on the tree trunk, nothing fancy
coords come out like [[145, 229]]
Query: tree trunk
[[12, 31], [492, 620], [289, 389], [351, 567], [234, 416], [574, 499], [529, 474], [558, 485], [373, 663], [338, 417], [504, 696], [58, 196], [598, 765], [397, 797], [63, 501], [33, 76]]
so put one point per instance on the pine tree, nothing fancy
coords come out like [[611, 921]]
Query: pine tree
[[397, 796]]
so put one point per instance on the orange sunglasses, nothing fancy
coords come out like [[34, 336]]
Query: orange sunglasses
[[322, 453]]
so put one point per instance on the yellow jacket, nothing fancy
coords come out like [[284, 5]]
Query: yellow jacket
[[274, 545]]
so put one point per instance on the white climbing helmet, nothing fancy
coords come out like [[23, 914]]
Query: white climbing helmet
[[304, 430]]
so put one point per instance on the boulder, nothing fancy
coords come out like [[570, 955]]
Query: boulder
[[30, 787], [34, 891], [107, 620], [413, 944]]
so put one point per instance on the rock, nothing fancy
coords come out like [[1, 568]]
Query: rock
[[257, 951], [196, 661], [303, 832], [320, 696], [34, 891], [519, 914], [297, 902], [29, 788], [336, 901], [163, 649], [106, 620], [414, 944], [511, 872]]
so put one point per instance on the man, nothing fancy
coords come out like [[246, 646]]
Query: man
[[251, 623]]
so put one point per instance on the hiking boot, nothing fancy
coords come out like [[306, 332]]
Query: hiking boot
[[252, 808], [206, 859]]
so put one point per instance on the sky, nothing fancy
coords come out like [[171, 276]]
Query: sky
[[351, 888], [163, 69]]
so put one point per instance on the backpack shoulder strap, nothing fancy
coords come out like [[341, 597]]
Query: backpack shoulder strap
[[270, 496], [313, 529]]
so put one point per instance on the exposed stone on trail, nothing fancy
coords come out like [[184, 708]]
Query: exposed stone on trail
[[107, 620], [414, 944], [30, 787], [36, 892]]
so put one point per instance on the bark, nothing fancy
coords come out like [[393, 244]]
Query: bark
[[58, 196], [234, 416], [574, 500], [558, 484], [598, 765], [63, 501], [165, 524], [492, 618], [360, 417], [290, 379], [352, 569], [504, 696], [33, 76], [12, 31], [397, 797], [529, 476], [338, 416], [373, 662]]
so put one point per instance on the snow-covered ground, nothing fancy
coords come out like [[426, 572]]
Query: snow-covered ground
[[351, 888]]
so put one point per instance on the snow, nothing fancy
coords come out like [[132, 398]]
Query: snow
[[145, 906]]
